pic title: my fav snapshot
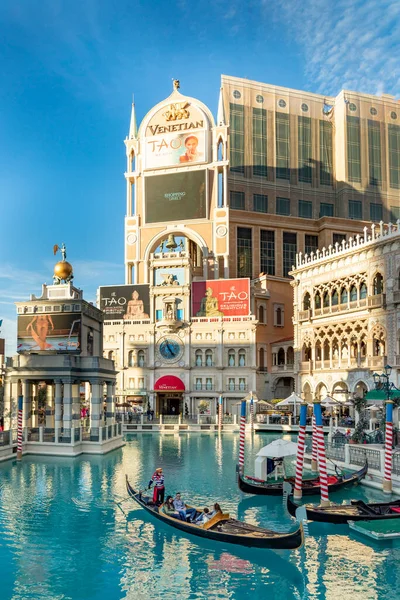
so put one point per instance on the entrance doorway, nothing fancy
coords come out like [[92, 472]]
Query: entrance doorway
[[170, 404]]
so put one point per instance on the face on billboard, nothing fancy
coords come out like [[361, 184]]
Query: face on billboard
[[130, 302], [221, 298], [175, 197], [172, 149], [49, 332]]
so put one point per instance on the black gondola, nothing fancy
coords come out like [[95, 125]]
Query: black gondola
[[310, 487], [222, 528], [357, 510]]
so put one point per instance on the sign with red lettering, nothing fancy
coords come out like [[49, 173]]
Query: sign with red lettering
[[221, 298], [169, 383]]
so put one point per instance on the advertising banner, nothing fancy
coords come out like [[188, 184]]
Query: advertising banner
[[49, 332], [174, 149], [221, 298], [175, 197], [125, 301]]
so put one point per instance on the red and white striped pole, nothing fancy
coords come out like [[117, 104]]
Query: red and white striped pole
[[242, 432], [220, 413], [251, 411], [323, 475], [300, 452], [19, 428], [314, 455], [387, 477]]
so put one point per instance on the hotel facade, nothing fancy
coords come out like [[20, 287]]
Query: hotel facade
[[216, 211]]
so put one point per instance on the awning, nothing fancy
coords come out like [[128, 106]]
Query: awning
[[376, 395], [169, 383]]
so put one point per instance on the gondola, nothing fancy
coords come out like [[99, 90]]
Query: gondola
[[357, 510], [310, 487], [222, 528]]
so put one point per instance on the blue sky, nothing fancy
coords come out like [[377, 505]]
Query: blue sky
[[69, 70]]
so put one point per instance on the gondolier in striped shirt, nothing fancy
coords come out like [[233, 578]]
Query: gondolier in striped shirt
[[159, 488]]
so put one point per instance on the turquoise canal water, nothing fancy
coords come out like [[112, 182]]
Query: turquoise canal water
[[63, 537]]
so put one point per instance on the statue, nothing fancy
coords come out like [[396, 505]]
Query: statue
[[62, 249], [209, 306], [169, 279], [63, 270], [135, 308], [177, 84]]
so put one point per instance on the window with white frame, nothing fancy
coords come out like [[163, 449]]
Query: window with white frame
[[209, 358], [242, 358], [141, 360], [279, 315], [141, 383], [131, 383], [231, 358], [242, 384], [198, 383], [209, 385], [199, 358], [231, 384], [131, 359]]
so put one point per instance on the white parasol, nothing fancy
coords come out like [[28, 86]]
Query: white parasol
[[278, 449], [292, 400]]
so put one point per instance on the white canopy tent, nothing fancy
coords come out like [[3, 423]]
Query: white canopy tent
[[292, 400]]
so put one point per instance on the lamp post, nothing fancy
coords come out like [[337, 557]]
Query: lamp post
[[382, 382]]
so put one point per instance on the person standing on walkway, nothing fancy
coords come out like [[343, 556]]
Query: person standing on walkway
[[159, 488]]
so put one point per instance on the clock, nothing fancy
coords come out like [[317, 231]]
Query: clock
[[170, 348]]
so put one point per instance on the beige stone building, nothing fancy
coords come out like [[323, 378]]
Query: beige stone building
[[232, 200], [347, 315]]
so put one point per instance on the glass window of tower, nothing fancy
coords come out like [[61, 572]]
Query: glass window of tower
[[305, 209], [237, 138], [267, 251], [260, 142], [237, 200], [283, 206], [305, 153], [260, 203], [353, 149], [374, 153], [289, 252], [310, 244], [244, 252], [355, 209], [394, 155], [325, 209], [325, 153], [282, 146], [375, 211]]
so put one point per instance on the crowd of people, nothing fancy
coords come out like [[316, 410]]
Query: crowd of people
[[175, 507]]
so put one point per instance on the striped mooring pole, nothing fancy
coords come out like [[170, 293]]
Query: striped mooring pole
[[251, 411], [323, 475], [314, 455], [387, 477], [19, 428], [242, 431], [220, 413], [300, 452]]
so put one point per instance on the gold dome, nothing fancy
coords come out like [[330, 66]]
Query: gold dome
[[63, 270]]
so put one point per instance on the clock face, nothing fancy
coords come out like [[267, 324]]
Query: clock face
[[170, 349]]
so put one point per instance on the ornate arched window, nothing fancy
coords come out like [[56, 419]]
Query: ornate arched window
[[199, 358], [317, 300], [131, 359], [306, 301], [344, 296], [290, 356], [231, 358], [110, 355], [335, 298], [326, 299], [141, 360], [281, 356], [363, 291], [353, 293], [209, 358], [378, 284]]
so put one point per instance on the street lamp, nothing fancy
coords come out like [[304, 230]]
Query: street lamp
[[382, 381]]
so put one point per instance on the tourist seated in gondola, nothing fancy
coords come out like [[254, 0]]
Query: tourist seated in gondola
[[203, 517], [168, 508], [215, 510], [185, 513]]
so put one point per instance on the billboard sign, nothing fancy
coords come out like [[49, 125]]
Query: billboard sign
[[176, 197], [174, 149], [49, 332], [221, 298], [130, 302]]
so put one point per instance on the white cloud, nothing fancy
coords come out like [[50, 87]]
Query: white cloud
[[348, 44]]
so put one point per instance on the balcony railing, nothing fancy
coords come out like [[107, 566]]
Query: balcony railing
[[204, 364], [236, 388], [377, 362], [203, 387], [284, 367]]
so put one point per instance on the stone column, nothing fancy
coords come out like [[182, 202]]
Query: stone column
[[322, 355], [14, 404], [76, 404], [35, 408], [49, 406], [26, 403], [7, 405], [96, 407], [110, 416], [58, 404], [67, 405]]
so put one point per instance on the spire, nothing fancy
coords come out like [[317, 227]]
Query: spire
[[221, 110], [133, 127]]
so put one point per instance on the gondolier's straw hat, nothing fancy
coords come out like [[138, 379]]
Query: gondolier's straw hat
[[158, 470]]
